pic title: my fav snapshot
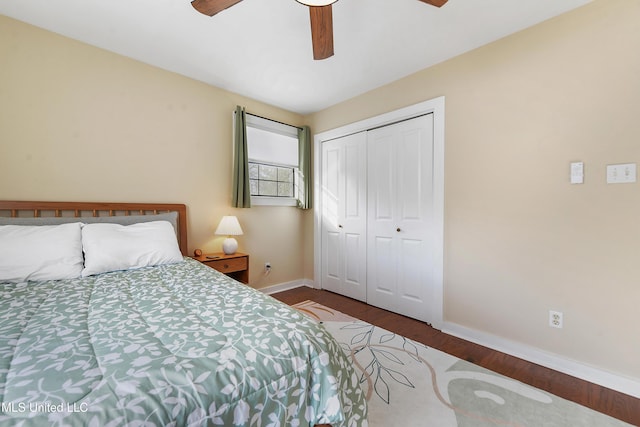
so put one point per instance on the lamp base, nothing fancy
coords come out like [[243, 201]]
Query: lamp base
[[229, 246]]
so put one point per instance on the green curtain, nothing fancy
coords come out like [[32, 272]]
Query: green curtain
[[304, 165], [241, 189]]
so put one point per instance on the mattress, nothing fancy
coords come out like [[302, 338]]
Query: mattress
[[171, 345]]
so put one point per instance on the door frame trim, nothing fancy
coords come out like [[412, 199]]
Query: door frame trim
[[434, 106]]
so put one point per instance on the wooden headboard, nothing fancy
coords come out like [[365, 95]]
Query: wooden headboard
[[94, 209]]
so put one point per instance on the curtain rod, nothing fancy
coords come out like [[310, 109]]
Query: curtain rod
[[276, 121]]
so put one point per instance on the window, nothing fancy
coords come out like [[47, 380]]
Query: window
[[273, 162], [271, 180]]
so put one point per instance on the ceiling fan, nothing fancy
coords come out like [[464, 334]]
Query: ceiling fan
[[319, 11]]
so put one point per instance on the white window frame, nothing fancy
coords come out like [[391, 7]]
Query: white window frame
[[282, 129]]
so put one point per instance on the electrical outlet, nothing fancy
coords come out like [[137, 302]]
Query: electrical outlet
[[267, 267], [555, 319]]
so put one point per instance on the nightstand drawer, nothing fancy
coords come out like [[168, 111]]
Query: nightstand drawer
[[235, 265], [228, 265]]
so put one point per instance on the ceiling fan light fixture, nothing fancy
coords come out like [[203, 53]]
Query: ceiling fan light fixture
[[316, 3], [320, 14]]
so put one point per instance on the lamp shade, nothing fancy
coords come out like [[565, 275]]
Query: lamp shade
[[317, 2], [229, 226]]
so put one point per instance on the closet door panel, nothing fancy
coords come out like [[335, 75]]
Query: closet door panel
[[381, 245], [331, 237], [331, 185], [381, 277], [410, 176], [333, 255], [410, 284], [344, 216], [355, 193], [400, 205], [354, 267], [354, 216], [381, 178]]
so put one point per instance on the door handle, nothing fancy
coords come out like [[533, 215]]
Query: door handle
[[339, 225], [398, 229]]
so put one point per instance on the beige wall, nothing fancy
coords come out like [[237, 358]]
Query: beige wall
[[82, 124], [519, 238]]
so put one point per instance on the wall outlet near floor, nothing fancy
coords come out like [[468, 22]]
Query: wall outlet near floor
[[267, 267], [555, 319]]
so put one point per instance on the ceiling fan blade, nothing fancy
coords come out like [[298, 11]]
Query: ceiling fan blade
[[321, 31], [436, 3], [211, 7]]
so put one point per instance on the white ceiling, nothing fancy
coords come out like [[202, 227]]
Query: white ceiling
[[262, 48]]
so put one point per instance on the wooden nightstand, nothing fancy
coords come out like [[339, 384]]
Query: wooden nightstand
[[236, 265]]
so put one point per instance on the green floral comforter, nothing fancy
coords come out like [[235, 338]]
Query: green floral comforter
[[171, 345]]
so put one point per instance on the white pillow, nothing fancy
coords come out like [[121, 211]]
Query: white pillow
[[44, 252], [112, 247]]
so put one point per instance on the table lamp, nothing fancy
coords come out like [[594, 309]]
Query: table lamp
[[229, 226]]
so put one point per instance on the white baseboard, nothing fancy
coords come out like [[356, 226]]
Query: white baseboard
[[531, 354], [286, 286], [553, 361]]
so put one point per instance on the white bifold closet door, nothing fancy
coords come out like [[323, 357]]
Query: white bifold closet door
[[377, 235], [344, 216], [400, 233]]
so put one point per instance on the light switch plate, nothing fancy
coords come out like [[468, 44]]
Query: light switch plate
[[621, 174], [577, 172]]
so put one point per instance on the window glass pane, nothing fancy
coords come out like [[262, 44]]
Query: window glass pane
[[285, 174], [253, 171], [268, 173], [253, 183], [268, 188], [285, 189]]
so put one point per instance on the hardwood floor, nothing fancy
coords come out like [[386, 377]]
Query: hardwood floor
[[613, 403]]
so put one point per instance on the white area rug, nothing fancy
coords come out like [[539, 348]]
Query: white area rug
[[409, 384]]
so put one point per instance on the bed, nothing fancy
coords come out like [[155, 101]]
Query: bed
[[158, 343]]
